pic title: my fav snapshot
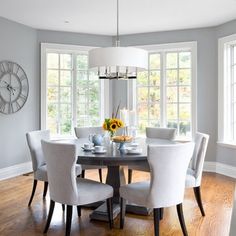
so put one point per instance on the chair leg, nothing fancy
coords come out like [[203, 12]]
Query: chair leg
[[161, 213], [110, 211], [156, 214], [79, 211], [83, 174], [69, 211], [100, 174], [122, 212], [129, 176], [197, 193], [63, 207], [181, 219], [52, 204], [45, 189], [33, 191]]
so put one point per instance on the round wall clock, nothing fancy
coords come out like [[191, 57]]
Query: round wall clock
[[14, 87]]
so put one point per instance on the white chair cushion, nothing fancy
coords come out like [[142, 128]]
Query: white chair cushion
[[41, 172], [136, 192], [190, 179], [90, 191]]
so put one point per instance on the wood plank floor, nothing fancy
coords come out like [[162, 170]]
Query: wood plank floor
[[17, 219]]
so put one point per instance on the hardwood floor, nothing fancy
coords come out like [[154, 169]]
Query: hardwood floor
[[17, 219]]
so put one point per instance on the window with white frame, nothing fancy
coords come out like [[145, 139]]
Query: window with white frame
[[165, 93], [72, 96], [227, 90]]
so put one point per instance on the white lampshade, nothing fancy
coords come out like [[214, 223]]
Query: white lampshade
[[118, 62]]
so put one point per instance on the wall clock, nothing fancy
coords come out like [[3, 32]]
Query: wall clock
[[14, 87]]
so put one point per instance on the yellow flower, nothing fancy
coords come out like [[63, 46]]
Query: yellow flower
[[113, 126], [104, 126]]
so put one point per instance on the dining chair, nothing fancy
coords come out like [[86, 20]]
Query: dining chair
[[66, 189], [153, 133], [39, 166], [84, 132], [194, 172], [168, 166], [38, 162]]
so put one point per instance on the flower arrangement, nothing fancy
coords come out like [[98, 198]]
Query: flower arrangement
[[112, 124]]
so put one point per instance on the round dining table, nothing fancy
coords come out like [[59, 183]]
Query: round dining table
[[115, 160]]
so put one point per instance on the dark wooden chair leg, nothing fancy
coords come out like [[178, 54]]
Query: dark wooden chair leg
[[63, 207], [110, 211], [33, 191], [156, 214], [130, 172], [79, 211], [82, 174], [122, 212], [69, 210], [100, 174], [161, 213], [45, 189], [52, 204], [181, 219], [197, 193]]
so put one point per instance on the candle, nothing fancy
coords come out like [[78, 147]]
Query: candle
[[124, 116], [132, 118]]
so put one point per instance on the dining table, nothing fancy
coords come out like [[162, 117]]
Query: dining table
[[115, 160]]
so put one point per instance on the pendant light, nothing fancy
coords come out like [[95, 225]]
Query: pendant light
[[118, 62]]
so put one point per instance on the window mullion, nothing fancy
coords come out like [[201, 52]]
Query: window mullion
[[178, 104], [74, 91], [163, 102], [59, 96]]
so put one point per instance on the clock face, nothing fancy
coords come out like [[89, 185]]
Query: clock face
[[14, 87]]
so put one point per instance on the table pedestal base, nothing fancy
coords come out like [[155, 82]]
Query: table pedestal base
[[138, 210], [101, 212]]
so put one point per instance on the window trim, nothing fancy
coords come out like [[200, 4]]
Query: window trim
[[51, 47], [192, 46], [224, 45]]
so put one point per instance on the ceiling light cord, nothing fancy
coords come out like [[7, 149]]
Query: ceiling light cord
[[117, 25]]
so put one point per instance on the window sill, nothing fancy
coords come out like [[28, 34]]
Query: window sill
[[227, 144]]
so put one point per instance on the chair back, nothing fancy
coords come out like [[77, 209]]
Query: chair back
[[34, 142], [61, 160], [84, 132], [199, 154], [168, 166], [161, 133]]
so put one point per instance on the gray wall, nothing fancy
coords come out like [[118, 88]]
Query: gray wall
[[22, 45], [18, 43]]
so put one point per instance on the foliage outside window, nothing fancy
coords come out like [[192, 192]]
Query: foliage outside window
[[164, 92]]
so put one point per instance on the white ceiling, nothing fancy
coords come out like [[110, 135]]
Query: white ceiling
[[136, 16]]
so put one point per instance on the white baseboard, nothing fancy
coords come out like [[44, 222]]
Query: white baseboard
[[220, 168], [15, 170]]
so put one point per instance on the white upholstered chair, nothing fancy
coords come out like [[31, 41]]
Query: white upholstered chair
[[38, 162], [194, 173], [65, 188], [168, 166], [83, 132], [154, 133]]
